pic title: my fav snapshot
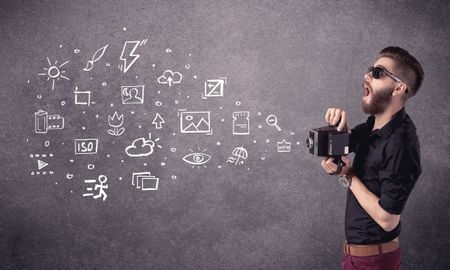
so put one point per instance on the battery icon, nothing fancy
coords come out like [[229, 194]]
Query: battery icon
[[41, 121]]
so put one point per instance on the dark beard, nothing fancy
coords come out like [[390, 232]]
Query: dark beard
[[379, 102]]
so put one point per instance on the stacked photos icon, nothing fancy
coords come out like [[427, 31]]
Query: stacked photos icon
[[145, 181]]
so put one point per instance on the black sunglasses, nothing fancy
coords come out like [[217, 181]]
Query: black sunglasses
[[377, 72]]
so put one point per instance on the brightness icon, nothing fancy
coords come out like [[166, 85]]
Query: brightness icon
[[54, 72]]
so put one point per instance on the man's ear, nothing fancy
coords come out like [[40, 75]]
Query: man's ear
[[400, 88]]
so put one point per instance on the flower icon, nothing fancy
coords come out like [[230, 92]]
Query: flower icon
[[115, 122]]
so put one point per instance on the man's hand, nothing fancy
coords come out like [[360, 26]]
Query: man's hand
[[333, 115], [331, 168]]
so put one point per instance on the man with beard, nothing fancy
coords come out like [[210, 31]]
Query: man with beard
[[386, 163]]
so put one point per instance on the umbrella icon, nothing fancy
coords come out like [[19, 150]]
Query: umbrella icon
[[239, 155]]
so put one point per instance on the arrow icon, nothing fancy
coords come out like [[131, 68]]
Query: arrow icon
[[158, 120], [41, 164], [170, 77]]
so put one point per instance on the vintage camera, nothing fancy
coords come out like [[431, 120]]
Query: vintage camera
[[327, 141]]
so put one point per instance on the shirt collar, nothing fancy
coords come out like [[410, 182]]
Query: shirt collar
[[390, 127]]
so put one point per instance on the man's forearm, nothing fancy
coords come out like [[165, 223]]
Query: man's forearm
[[369, 202]]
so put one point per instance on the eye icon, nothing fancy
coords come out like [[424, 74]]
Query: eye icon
[[197, 158]]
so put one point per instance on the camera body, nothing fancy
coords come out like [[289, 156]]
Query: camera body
[[327, 141]]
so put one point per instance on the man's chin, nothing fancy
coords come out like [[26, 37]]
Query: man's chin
[[366, 108]]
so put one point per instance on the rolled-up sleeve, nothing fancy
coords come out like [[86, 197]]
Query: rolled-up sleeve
[[398, 175]]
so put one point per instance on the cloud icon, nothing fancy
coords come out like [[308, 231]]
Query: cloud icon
[[169, 77], [140, 148]]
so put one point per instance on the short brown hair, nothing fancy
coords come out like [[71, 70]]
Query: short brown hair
[[407, 63]]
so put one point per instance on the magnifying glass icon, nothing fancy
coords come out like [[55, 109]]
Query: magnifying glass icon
[[272, 120]]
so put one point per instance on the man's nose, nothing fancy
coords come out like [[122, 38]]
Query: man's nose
[[368, 77]]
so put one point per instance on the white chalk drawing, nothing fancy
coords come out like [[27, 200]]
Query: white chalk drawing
[[142, 147], [144, 181], [241, 123], [129, 55], [239, 155], [158, 121], [115, 122], [82, 97], [195, 122], [97, 55], [169, 77], [69, 176], [214, 88], [54, 72], [283, 147], [86, 146], [44, 122], [272, 121], [100, 186], [41, 162], [197, 158], [132, 94]]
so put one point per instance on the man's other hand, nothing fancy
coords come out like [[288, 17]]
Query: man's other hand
[[331, 168]]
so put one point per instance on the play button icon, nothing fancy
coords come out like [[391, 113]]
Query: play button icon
[[41, 164]]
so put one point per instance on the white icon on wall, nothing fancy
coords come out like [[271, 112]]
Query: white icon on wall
[[214, 88], [158, 121], [145, 181], [142, 147], [101, 187], [44, 122], [197, 158], [195, 122], [86, 146], [41, 164], [54, 72], [239, 154], [115, 122], [82, 97], [272, 121], [97, 55], [283, 147], [132, 94], [129, 55], [169, 77], [241, 123]]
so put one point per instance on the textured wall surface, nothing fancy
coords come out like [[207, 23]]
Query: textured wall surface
[[293, 59]]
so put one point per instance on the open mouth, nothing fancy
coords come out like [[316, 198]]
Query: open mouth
[[366, 90]]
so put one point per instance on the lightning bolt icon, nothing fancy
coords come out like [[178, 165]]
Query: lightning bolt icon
[[129, 56]]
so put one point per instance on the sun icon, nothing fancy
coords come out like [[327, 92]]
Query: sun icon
[[54, 72]]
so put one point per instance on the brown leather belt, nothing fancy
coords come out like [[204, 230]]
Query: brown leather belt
[[370, 250]]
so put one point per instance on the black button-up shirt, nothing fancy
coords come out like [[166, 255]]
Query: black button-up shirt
[[387, 161]]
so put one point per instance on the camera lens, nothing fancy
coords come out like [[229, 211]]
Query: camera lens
[[309, 143]]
